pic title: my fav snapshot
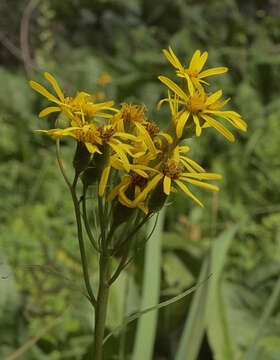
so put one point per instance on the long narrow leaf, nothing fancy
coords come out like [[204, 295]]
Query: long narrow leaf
[[218, 330], [273, 300], [146, 329], [201, 304]]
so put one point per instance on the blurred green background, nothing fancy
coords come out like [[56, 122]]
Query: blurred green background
[[77, 41]]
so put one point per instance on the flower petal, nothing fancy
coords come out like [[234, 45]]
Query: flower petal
[[49, 110], [54, 83]]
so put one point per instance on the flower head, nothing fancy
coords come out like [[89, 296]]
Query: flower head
[[202, 107], [193, 73], [81, 103]]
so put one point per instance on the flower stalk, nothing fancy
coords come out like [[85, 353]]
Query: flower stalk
[[132, 165]]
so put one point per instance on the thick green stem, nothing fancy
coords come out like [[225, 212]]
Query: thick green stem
[[101, 308]]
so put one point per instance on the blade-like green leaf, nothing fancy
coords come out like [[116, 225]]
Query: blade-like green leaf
[[145, 335], [201, 304]]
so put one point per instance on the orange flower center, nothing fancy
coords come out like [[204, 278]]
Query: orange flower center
[[105, 132], [133, 113], [138, 180], [152, 129], [171, 169]]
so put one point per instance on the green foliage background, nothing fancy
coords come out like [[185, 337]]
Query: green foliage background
[[77, 41]]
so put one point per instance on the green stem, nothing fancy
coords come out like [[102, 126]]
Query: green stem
[[101, 308], [72, 188], [85, 217], [81, 243]]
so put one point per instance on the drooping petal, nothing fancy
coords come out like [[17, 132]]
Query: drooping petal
[[166, 185], [150, 185], [103, 180], [197, 124], [219, 127], [188, 192], [181, 123], [201, 184]]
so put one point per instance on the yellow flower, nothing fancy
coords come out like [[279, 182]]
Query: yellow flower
[[109, 137], [104, 79], [132, 185], [193, 73], [128, 117], [203, 106], [172, 174], [87, 134], [82, 102]]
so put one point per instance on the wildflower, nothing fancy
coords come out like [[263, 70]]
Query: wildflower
[[193, 73], [128, 117], [104, 79], [109, 137], [172, 173], [87, 134], [133, 184], [204, 106], [81, 102]]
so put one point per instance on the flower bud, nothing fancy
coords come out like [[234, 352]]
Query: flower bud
[[157, 198], [62, 121], [90, 175], [81, 157]]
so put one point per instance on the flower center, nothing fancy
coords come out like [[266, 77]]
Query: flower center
[[133, 113], [106, 132], [86, 135], [196, 103], [152, 129], [138, 180], [171, 169]]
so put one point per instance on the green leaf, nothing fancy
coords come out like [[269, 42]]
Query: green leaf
[[146, 329], [201, 306]]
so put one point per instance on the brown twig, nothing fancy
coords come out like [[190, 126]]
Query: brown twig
[[24, 33], [36, 338], [10, 46]]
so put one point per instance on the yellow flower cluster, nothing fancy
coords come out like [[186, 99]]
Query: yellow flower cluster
[[134, 162], [192, 103]]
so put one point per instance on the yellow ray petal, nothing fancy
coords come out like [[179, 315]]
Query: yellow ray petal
[[202, 61], [213, 71], [41, 90], [194, 60], [214, 97], [202, 184], [49, 110], [151, 184], [198, 127], [173, 87], [202, 176], [103, 180], [166, 185], [181, 122], [54, 83], [187, 191], [219, 127]]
